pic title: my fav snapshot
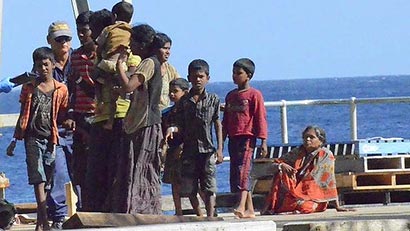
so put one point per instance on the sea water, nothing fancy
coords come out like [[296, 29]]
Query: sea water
[[385, 120]]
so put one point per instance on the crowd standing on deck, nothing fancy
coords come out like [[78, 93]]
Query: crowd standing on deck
[[97, 112]]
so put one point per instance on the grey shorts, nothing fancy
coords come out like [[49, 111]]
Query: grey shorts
[[40, 160], [198, 170]]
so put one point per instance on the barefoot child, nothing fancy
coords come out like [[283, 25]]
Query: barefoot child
[[199, 113], [41, 103], [244, 121], [172, 171]]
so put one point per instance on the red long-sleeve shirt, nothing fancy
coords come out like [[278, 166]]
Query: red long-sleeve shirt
[[245, 114]]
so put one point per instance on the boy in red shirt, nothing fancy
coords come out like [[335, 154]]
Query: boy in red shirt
[[243, 122]]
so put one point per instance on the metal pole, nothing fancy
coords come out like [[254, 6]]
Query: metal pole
[[284, 122], [353, 119], [79, 6]]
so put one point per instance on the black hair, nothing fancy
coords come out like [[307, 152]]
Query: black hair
[[198, 65], [320, 132], [143, 34], [181, 83], [84, 17], [160, 40], [123, 11], [247, 65], [98, 20], [42, 53]]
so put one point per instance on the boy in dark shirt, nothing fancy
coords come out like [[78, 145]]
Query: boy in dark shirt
[[172, 169], [41, 103], [199, 111]]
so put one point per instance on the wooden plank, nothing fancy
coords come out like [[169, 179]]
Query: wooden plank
[[8, 120], [380, 188], [26, 208], [166, 202], [101, 220], [343, 181], [230, 200], [71, 199], [261, 168], [263, 186]]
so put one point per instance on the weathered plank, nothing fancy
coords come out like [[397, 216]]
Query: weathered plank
[[166, 201], [100, 220]]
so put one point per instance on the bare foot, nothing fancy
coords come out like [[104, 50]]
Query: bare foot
[[199, 213], [238, 213], [248, 214]]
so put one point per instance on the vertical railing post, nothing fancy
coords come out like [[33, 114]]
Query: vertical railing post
[[284, 122], [353, 119]]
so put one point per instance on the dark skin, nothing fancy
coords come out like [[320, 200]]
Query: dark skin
[[311, 142], [84, 35], [242, 79]]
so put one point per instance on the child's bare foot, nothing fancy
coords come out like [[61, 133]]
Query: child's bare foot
[[248, 214], [238, 213], [179, 212], [199, 213]]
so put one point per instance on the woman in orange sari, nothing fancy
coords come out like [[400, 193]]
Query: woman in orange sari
[[305, 182]]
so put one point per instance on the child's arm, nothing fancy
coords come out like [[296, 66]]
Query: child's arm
[[218, 131], [261, 122], [63, 117], [128, 84], [17, 129], [170, 132], [264, 148], [224, 126]]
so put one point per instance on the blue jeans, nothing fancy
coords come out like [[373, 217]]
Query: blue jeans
[[56, 199]]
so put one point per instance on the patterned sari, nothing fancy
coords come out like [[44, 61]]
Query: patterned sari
[[312, 188]]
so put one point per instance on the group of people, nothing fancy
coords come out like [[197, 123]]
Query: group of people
[[103, 112]]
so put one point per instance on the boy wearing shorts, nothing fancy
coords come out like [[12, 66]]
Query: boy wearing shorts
[[198, 112], [42, 101]]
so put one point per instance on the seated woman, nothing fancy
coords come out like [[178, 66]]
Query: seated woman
[[305, 182]]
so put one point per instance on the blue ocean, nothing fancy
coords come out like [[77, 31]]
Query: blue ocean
[[374, 120]]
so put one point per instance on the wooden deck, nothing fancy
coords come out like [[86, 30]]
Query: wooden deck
[[387, 214]]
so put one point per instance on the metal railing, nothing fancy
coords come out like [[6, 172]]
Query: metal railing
[[353, 102], [8, 120]]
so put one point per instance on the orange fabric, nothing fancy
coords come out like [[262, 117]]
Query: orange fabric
[[59, 105], [315, 189]]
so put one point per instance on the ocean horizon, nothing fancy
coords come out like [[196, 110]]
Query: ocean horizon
[[374, 120]]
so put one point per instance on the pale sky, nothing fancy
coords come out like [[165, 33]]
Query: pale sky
[[287, 39]]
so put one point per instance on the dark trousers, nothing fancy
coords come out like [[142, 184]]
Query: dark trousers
[[105, 147]]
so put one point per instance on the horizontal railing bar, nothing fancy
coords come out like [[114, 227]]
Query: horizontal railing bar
[[337, 101]]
